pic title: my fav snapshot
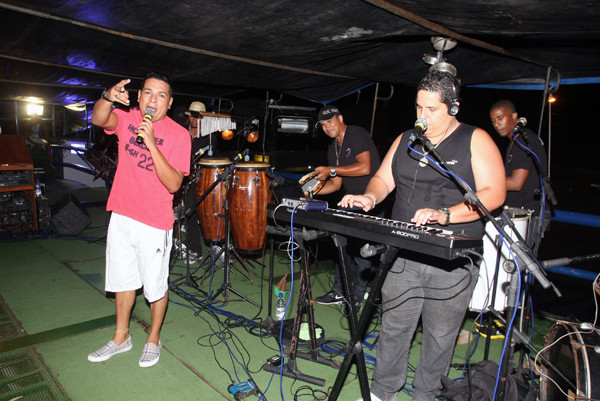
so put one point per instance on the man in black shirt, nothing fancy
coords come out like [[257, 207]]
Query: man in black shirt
[[522, 175], [353, 159], [526, 164]]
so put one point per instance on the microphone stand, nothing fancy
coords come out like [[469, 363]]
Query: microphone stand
[[522, 253], [546, 191], [536, 231]]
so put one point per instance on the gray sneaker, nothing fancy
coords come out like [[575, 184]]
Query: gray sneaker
[[109, 350], [150, 355]]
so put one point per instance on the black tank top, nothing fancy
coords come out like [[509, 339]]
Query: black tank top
[[428, 186]]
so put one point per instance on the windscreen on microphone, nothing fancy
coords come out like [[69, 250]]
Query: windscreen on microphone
[[149, 114]]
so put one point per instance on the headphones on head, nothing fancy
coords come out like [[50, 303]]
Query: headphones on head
[[454, 106]]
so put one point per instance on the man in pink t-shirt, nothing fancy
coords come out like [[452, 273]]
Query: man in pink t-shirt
[[154, 156]]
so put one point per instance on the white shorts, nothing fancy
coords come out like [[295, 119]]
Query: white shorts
[[137, 255]]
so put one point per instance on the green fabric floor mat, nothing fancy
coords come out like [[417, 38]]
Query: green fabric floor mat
[[23, 375]]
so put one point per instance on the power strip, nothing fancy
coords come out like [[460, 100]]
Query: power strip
[[305, 204], [242, 390]]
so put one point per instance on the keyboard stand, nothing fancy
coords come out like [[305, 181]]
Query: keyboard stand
[[358, 328], [304, 306]]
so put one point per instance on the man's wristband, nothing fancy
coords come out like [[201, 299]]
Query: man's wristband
[[105, 96], [372, 197]]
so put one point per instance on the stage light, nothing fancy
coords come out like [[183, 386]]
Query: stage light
[[227, 134], [551, 98], [251, 133], [35, 109]]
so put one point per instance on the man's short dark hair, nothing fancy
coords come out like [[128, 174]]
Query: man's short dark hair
[[160, 77], [506, 104], [443, 83]]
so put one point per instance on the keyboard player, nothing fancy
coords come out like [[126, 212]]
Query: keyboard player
[[420, 286]]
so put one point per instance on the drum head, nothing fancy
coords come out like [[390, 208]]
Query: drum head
[[252, 166], [212, 162]]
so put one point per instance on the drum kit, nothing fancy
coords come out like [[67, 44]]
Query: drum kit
[[231, 200]]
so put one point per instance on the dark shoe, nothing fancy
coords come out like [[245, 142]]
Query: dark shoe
[[357, 306], [331, 298]]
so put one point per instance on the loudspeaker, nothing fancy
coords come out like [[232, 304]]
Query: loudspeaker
[[454, 105], [68, 216]]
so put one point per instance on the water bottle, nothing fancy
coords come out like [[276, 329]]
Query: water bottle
[[280, 307]]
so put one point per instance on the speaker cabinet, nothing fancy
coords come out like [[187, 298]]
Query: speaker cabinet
[[68, 216]]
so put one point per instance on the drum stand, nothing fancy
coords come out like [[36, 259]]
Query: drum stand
[[226, 287], [182, 249]]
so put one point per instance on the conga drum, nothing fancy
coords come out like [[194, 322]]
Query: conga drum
[[572, 351], [211, 208], [248, 198]]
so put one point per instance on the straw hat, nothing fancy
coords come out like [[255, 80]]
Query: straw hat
[[195, 109]]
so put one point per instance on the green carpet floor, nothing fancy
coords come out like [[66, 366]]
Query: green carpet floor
[[57, 313]]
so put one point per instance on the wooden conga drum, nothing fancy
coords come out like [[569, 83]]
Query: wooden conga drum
[[212, 208], [248, 198]]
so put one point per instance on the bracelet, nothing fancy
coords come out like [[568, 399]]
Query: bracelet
[[105, 96], [373, 198]]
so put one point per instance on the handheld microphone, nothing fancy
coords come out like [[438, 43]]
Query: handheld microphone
[[420, 126], [200, 152], [149, 114]]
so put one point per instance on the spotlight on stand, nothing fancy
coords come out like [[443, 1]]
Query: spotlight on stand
[[438, 63], [227, 134], [249, 131]]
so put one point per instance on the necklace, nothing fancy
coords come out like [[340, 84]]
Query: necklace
[[337, 151], [423, 161]]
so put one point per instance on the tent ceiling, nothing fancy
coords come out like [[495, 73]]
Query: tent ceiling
[[65, 51]]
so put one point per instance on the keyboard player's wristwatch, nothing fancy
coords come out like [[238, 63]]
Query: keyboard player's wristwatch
[[446, 211]]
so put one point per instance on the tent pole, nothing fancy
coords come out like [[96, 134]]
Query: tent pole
[[374, 108]]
